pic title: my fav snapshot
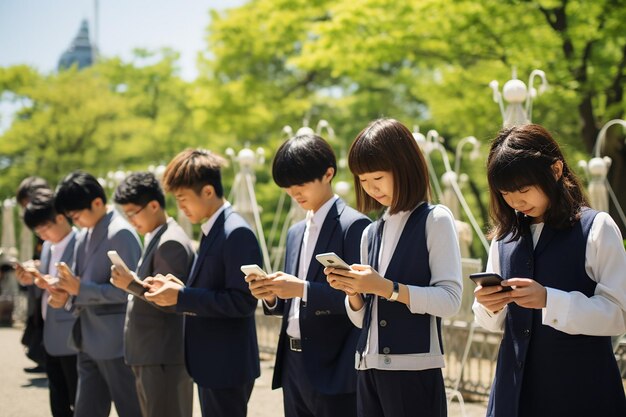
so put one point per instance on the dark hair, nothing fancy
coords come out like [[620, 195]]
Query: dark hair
[[77, 191], [40, 209], [302, 159], [139, 188], [27, 187], [523, 156], [387, 145], [194, 169]]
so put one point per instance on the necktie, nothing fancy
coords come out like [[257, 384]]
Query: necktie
[[373, 254]]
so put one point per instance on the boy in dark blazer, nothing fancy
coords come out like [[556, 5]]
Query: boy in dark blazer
[[153, 337], [315, 354], [100, 308], [221, 349], [59, 240]]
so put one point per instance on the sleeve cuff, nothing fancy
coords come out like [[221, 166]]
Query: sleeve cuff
[[305, 291], [356, 317], [272, 308], [491, 321], [418, 300], [557, 306]]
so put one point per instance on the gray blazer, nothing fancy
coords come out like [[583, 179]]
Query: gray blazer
[[152, 335], [59, 322], [101, 307]]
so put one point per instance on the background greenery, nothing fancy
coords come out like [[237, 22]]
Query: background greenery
[[271, 63]]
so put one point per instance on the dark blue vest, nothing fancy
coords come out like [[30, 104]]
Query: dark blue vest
[[542, 371], [399, 330]]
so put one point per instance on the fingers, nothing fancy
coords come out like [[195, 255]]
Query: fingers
[[251, 278], [517, 282]]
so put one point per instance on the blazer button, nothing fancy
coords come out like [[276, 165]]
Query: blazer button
[[520, 364], [386, 350], [526, 332], [387, 360], [383, 323]]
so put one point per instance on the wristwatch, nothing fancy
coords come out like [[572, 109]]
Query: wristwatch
[[395, 292]]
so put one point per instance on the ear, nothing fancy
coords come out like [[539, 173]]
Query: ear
[[207, 191], [557, 169], [59, 218], [328, 175], [154, 205], [97, 203]]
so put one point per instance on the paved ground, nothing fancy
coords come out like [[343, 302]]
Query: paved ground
[[26, 395]]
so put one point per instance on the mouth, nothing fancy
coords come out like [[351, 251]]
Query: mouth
[[527, 212]]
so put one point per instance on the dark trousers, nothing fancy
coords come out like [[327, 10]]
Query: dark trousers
[[225, 402], [301, 399], [101, 381], [401, 393], [164, 390], [62, 379]]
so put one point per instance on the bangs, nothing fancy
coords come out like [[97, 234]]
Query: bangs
[[514, 170], [365, 157]]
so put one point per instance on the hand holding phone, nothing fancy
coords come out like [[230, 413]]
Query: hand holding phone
[[488, 279], [254, 269], [117, 260], [332, 260]]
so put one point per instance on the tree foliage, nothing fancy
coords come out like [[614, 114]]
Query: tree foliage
[[271, 63]]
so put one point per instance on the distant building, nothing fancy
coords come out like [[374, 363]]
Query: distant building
[[81, 52]]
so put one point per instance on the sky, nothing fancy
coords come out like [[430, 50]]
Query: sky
[[37, 32]]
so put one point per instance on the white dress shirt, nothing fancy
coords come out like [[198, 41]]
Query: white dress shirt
[[314, 222], [441, 299], [603, 314], [56, 252]]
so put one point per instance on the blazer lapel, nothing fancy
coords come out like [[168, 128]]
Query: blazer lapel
[[68, 253], [207, 242], [99, 233], [146, 259], [328, 228]]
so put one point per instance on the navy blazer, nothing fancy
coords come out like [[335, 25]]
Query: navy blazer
[[221, 348], [328, 337]]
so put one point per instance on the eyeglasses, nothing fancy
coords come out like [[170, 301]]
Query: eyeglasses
[[134, 213]]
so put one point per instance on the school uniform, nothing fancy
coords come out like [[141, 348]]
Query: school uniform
[[558, 361], [100, 310], [221, 351], [153, 336], [58, 323], [400, 352], [314, 359]]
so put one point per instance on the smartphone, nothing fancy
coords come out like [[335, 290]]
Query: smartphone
[[117, 260], [488, 279], [63, 266], [332, 260], [253, 269]]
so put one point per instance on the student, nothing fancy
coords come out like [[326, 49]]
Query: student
[[221, 351], [59, 239], [99, 306], [33, 331], [153, 343], [315, 354], [411, 277], [565, 263]]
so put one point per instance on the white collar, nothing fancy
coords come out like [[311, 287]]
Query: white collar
[[206, 226]]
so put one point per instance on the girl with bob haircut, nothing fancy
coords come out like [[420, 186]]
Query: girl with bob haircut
[[565, 264], [409, 279]]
